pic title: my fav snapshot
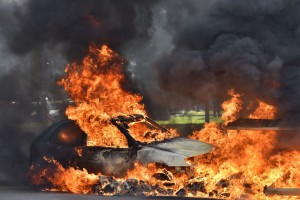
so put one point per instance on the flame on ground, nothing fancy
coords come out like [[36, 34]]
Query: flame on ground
[[67, 180]]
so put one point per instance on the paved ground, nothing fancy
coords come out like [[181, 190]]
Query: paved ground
[[19, 193]]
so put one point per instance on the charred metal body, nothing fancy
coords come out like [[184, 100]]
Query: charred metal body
[[108, 161], [65, 142]]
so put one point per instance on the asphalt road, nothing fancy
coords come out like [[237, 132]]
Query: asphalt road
[[19, 193]]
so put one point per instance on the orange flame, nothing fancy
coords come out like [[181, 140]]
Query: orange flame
[[95, 87], [246, 161], [242, 163], [231, 107], [264, 111], [67, 180]]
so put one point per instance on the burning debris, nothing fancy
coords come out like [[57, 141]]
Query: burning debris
[[134, 187]]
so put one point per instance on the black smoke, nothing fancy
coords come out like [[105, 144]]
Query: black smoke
[[77, 23], [250, 46]]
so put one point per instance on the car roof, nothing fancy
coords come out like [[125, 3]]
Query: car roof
[[52, 128]]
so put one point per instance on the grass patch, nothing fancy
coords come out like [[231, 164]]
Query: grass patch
[[189, 117]]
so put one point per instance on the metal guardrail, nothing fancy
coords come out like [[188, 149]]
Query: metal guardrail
[[282, 191]]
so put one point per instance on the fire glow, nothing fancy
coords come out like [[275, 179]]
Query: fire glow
[[241, 165]]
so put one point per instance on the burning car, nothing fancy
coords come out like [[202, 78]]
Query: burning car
[[65, 142]]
